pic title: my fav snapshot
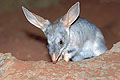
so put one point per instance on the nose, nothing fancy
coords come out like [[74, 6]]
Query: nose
[[54, 57]]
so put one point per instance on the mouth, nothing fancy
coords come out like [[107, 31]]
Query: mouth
[[56, 57]]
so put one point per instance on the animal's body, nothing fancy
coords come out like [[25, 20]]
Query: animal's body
[[70, 36], [86, 40]]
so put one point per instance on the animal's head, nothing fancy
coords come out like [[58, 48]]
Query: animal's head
[[57, 33]]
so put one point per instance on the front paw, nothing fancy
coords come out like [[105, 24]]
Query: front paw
[[67, 57]]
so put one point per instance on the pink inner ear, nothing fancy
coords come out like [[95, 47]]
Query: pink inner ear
[[71, 15], [65, 21]]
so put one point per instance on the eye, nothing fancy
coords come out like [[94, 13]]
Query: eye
[[61, 42]]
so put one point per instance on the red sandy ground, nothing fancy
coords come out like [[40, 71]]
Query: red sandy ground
[[104, 67], [27, 42]]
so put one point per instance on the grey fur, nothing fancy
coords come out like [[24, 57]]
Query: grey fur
[[82, 39]]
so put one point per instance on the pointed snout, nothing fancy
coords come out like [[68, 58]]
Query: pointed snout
[[54, 57]]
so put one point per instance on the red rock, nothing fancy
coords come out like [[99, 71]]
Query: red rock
[[104, 67]]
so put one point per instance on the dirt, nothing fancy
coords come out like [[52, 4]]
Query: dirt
[[103, 67], [27, 42]]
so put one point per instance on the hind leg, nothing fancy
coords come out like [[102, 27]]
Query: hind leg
[[82, 55], [99, 47], [77, 58]]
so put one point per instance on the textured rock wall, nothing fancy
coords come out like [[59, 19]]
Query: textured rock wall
[[104, 67], [11, 5]]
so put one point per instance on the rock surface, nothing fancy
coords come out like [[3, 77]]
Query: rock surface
[[104, 67]]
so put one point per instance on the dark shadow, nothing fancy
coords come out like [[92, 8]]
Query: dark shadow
[[36, 37], [39, 38]]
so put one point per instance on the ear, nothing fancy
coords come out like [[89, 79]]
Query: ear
[[71, 15], [35, 19]]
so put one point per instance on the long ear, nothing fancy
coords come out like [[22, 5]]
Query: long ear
[[35, 19], [71, 15]]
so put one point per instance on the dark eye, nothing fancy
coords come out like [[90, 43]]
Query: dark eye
[[61, 42]]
